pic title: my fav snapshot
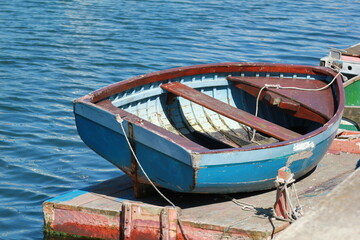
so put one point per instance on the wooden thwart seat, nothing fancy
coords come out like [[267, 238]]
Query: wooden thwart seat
[[229, 111], [313, 105]]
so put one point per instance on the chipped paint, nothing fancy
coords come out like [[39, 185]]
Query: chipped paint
[[196, 160], [84, 223], [347, 141], [303, 146], [298, 156]]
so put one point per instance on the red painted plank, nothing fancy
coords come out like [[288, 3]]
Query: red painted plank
[[229, 111], [313, 105], [347, 141], [89, 224]]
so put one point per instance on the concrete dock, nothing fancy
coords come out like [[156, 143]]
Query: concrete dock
[[109, 210], [337, 216]]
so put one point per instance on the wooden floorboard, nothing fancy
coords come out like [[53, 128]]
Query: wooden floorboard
[[229, 111]]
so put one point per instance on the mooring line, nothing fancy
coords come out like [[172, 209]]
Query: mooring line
[[120, 121]]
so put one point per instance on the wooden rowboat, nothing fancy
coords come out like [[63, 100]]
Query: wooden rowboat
[[192, 128]]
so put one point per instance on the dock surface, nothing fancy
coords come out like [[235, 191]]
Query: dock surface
[[109, 210], [336, 217]]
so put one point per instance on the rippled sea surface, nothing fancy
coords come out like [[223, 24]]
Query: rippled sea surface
[[52, 52]]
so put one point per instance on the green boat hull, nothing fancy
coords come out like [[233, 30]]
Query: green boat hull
[[351, 116]]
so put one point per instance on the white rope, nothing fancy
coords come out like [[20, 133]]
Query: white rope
[[298, 209], [294, 212], [256, 111], [120, 121], [278, 86], [232, 225], [244, 206]]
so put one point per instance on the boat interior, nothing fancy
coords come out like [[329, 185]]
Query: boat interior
[[225, 110]]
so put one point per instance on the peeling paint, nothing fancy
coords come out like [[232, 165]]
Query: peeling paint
[[298, 156], [196, 160], [303, 146]]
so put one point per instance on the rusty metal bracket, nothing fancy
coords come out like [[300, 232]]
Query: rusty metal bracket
[[139, 220], [168, 222], [125, 221]]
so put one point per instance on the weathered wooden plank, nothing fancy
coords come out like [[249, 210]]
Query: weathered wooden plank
[[229, 111], [313, 105], [99, 191], [203, 216], [347, 141]]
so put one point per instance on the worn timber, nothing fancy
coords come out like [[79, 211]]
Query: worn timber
[[299, 102], [109, 210], [231, 112], [346, 141]]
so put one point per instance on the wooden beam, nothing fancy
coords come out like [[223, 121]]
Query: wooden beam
[[229, 111], [313, 105]]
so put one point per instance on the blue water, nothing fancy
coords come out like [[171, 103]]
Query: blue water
[[52, 52]]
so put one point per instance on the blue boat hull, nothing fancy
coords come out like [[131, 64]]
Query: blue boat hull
[[175, 163]]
